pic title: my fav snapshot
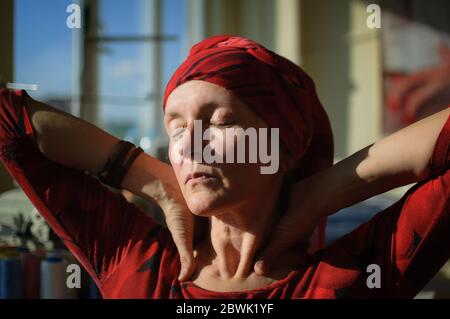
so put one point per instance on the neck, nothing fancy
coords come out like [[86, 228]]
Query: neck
[[235, 238]]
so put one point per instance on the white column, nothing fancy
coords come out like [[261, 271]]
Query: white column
[[366, 104], [287, 29], [151, 117], [195, 24]]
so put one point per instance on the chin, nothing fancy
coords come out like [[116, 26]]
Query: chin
[[204, 205]]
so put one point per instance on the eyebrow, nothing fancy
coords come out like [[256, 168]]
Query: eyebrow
[[172, 114], [207, 105]]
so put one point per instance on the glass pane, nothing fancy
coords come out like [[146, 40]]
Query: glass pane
[[174, 23], [133, 73], [44, 54], [124, 93], [122, 17]]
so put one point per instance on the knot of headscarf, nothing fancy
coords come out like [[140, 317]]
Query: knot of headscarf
[[276, 89]]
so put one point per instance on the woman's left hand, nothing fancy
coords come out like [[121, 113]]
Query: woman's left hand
[[155, 181], [296, 225], [399, 159]]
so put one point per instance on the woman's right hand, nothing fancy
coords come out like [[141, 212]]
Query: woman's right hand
[[179, 220], [305, 211], [154, 180]]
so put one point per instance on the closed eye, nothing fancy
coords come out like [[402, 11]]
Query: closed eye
[[223, 124], [178, 132]]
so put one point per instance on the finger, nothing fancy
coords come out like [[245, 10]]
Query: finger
[[181, 228], [185, 251], [187, 262], [265, 261], [281, 239]]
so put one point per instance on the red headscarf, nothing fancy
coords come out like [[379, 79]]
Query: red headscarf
[[276, 89]]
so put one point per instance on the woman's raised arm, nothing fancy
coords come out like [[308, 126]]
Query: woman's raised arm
[[75, 143], [399, 159], [90, 146], [78, 145]]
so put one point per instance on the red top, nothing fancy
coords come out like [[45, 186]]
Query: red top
[[130, 256]]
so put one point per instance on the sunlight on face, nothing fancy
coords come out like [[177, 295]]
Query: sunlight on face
[[211, 189]]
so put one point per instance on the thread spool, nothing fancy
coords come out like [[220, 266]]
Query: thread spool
[[31, 268], [11, 277], [53, 278]]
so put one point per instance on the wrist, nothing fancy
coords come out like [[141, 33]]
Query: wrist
[[323, 191], [340, 185], [143, 177], [354, 179], [309, 195]]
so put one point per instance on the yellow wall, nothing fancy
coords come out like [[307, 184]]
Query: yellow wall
[[366, 102], [249, 18], [287, 29], [331, 41], [343, 57]]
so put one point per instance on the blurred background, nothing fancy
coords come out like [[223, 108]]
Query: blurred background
[[375, 72]]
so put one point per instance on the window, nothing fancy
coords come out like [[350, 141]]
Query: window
[[140, 47], [43, 51], [137, 46]]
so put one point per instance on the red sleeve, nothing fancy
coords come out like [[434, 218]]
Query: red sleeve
[[98, 226], [409, 241], [441, 154]]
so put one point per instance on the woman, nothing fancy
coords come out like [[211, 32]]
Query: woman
[[232, 82]]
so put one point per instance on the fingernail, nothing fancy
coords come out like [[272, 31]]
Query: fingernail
[[260, 265]]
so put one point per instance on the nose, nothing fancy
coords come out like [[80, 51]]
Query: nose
[[192, 143]]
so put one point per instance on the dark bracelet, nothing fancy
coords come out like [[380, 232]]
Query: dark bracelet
[[131, 157], [118, 163]]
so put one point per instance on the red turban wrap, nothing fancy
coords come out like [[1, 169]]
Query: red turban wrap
[[276, 89]]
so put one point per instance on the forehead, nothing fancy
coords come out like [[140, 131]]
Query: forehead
[[196, 95], [198, 98]]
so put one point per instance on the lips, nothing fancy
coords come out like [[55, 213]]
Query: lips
[[197, 175]]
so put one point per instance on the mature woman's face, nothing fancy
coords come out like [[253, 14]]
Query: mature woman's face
[[225, 185]]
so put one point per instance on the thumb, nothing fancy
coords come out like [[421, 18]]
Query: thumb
[[181, 229], [183, 242], [264, 263], [187, 265], [281, 240]]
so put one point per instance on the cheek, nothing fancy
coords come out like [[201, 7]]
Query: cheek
[[228, 144], [242, 180], [176, 163], [175, 154]]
